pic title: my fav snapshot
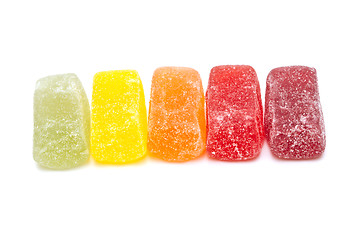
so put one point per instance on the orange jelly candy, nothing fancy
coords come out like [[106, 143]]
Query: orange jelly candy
[[176, 115]]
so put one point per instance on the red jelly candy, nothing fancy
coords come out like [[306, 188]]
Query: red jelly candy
[[294, 123], [234, 113]]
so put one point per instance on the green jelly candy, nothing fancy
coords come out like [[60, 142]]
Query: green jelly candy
[[61, 122]]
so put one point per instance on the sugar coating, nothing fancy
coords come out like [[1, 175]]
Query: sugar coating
[[61, 122], [235, 129], [176, 114], [118, 117], [294, 123]]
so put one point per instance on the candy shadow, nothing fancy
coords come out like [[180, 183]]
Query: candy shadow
[[315, 159], [249, 160], [81, 166], [137, 162], [193, 160]]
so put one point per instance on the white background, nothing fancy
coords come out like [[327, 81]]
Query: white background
[[202, 199]]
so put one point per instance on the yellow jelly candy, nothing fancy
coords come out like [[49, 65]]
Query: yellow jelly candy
[[118, 117]]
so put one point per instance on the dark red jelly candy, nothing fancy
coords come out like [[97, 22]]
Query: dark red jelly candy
[[234, 114], [294, 123]]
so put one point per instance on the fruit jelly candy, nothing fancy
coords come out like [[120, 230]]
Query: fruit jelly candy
[[235, 129], [61, 122], [176, 115], [294, 123], [118, 118]]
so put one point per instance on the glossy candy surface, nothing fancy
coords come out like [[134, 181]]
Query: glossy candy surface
[[176, 114], [294, 122], [118, 118], [61, 122], [234, 113]]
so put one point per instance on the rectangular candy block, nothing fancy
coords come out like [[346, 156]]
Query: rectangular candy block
[[234, 116], [176, 114], [294, 123], [118, 117], [61, 122]]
